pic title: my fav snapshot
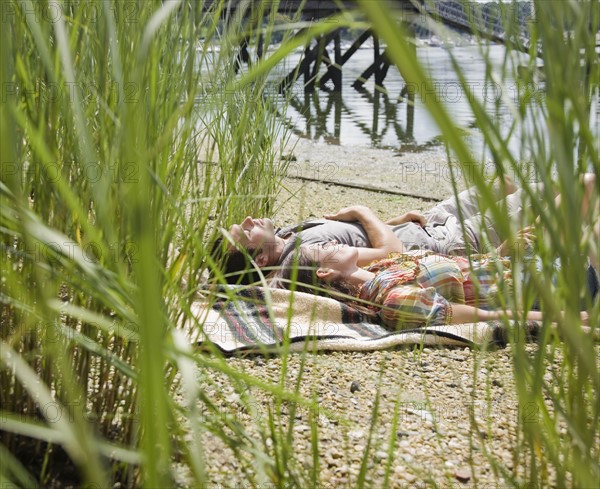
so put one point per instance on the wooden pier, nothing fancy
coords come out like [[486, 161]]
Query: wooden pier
[[484, 20]]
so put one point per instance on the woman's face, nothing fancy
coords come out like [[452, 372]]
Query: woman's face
[[340, 258]]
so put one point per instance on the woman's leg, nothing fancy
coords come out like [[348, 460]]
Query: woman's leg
[[595, 247], [462, 313]]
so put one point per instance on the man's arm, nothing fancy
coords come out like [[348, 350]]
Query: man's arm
[[411, 216], [383, 240]]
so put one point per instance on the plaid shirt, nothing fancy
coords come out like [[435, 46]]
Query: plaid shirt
[[417, 289]]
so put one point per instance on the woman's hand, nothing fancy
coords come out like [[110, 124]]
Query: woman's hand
[[522, 242], [411, 216]]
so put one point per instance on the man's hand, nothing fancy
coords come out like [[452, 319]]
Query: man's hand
[[348, 214], [411, 216], [383, 240]]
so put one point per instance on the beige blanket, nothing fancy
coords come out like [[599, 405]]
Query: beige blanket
[[263, 320]]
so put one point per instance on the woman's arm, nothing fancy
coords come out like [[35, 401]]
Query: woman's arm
[[383, 240]]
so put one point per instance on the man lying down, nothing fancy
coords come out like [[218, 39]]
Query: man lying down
[[439, 229]]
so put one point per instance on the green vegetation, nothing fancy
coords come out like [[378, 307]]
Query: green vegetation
[[124, 138]]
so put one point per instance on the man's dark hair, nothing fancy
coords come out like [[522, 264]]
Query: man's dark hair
[[235, 265]]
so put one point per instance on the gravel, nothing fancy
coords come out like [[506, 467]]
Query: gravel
[[452, 418]]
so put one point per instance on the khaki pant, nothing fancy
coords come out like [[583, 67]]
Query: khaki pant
[[444, 220]]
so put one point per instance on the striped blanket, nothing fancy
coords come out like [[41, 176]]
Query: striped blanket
[[265, 320]]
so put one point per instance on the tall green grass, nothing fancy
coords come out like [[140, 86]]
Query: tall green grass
[[125, 140]]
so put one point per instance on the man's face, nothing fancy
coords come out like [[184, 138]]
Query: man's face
[[253, 233]]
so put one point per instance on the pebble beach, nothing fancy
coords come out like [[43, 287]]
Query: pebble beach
[[411, 417]]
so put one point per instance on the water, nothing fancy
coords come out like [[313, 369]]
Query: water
[[385, 120]]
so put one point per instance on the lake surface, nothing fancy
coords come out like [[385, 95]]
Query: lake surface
[[370, 118]]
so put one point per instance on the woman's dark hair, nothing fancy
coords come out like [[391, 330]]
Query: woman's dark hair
[[300, 269]]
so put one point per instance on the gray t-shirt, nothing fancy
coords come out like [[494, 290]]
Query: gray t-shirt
[[353, 234]]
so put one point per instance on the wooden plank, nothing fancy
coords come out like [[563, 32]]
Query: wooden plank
[[316, 9], [337, 69], [303, 65], [310, 84], [370, 188], [346, 56], [373, 68]]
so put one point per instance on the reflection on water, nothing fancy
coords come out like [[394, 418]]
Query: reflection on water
[[327, 115], [371, 118], [389, 119]]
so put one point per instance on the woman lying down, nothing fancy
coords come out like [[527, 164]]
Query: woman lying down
[[408, 288]]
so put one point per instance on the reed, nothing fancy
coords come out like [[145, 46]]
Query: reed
[[122, 146], [126, 138]]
